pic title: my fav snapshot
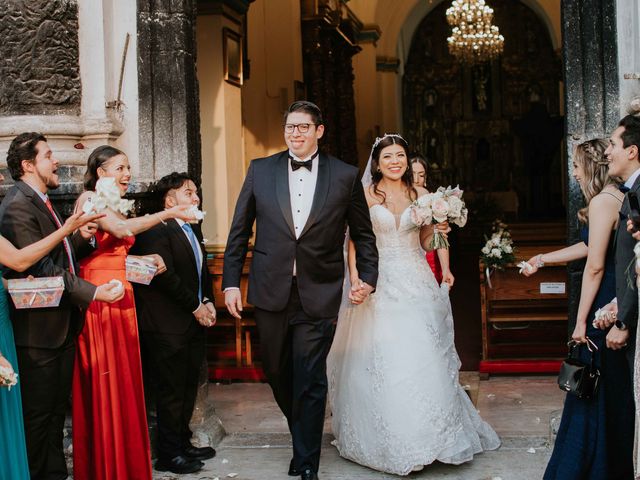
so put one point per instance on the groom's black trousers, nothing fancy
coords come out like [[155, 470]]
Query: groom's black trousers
[[294, 348]]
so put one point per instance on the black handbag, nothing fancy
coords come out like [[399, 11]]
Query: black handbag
[[575, 376]]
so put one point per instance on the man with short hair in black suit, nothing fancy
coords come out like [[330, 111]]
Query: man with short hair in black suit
[[623, 156], [301, 200], [173, 312], [45, 337]]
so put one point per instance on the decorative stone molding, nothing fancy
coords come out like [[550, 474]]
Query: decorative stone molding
[[369, 34], [39, 47], [387, 64]]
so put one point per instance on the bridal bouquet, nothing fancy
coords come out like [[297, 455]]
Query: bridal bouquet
[[498, 249], [107, 195], [445, 204], [8, 378]]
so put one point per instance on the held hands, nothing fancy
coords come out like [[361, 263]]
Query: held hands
[[205, 315], [359, 291], [233, 301], [109, 292]]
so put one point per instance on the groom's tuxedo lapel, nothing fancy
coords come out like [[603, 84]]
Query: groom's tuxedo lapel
[[322, 190], [282, 189]]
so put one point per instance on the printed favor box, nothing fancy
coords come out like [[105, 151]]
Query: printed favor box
[[139, 270], [36, 293]]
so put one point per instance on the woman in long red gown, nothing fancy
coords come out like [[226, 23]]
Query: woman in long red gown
[[438, 259], [110, 435]]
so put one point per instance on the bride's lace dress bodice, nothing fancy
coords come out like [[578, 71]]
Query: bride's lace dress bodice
[[401, 257], [393, 369]]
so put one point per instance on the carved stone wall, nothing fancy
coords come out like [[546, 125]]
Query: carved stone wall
[[39, 55]]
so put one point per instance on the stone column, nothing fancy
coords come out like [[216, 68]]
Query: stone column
[[169, 122], [591, 98]]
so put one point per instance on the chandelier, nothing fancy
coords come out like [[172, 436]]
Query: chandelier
[[473, 38]]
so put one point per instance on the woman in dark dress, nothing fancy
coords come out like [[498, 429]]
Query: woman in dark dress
[[595, 437]]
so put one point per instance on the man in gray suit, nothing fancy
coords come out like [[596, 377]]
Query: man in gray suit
[[624, 162]]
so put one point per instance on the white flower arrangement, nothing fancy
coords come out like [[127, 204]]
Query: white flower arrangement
[[445, 204], [498, 249], [107, 195], [8, 378]]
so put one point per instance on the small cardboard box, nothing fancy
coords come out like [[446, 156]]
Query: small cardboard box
[[139, 270], [37, 293]]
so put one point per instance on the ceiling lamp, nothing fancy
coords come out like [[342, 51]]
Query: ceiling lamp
[[473, 38]]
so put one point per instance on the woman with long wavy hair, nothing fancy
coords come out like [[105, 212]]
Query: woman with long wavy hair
[[595, 437]]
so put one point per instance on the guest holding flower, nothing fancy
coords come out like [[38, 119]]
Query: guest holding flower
[[110, 436]]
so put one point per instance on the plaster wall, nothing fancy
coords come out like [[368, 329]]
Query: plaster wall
[[220, 131]]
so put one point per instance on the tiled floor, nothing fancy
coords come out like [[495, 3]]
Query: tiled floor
[[257, 446]]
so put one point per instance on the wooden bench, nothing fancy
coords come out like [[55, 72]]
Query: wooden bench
[[241, 325], [523, 329]]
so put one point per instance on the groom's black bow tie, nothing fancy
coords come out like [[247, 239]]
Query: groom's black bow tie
[[308, 164], [623, 188]]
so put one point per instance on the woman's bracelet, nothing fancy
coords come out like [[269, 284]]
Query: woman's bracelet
[[539, 262], [160, 218]]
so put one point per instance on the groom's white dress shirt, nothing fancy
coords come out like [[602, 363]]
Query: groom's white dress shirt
[[302, 186]]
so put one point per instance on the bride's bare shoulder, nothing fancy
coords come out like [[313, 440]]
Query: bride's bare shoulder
[[372, 197]]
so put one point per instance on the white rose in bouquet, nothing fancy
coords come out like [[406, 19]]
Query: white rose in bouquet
[[420, 211], [440, 208]]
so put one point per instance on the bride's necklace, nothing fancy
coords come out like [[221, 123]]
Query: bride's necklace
[[393, 201]]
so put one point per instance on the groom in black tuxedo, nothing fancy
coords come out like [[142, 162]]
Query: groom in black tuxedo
[[301, 201], [173, 313]]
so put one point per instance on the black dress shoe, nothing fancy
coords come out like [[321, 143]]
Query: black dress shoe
[[200, 453], [308, 474], [293, 471], [179, 465]]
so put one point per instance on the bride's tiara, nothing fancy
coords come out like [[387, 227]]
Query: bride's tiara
[[379, 139]]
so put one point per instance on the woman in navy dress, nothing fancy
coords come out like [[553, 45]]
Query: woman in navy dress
[[595, 437], [13, 451]]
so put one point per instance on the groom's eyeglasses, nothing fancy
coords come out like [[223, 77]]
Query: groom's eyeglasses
[[302, 127]]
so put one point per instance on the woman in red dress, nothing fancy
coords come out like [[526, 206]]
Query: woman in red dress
[[110, 436], [438, 259]]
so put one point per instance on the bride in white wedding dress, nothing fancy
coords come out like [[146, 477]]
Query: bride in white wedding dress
[[394, 392]]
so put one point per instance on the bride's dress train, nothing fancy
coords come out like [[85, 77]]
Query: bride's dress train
[[393, 369]]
